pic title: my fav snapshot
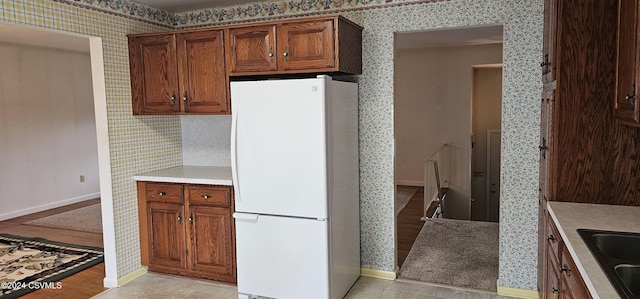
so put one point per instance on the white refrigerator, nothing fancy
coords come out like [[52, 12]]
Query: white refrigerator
[[294, 152]]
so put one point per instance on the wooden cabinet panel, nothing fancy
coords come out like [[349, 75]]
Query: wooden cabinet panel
[[253, 49], [552, 282], [178, 73], [307, 45], [207, 195], [211, 242], [154, 81], [166, 235], [201, 69], [163, 192], [188, 230], [627, 102], [312, 45], [572, 283]]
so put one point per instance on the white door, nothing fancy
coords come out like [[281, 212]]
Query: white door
[[278, 147], [282, 257]]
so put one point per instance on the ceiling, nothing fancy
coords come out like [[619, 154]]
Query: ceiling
[[186, 5]]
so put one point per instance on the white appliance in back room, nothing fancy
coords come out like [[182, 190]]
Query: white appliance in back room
[[294, 152]]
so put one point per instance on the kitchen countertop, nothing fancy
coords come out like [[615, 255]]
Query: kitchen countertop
[[570, 216], [206, 175]]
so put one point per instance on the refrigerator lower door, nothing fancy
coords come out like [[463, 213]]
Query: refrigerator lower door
[[282, 257]]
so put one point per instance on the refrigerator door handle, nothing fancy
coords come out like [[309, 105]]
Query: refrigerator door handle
[[246, 217], [234, 153]]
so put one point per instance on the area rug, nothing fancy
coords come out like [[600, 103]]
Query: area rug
[[29, 264], [403, 196], [457, 253], [85, 219]]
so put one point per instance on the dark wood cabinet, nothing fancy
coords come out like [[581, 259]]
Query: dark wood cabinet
[[627, 101], [253, 49], [187, 230], [314, 45], [178, 73], [561, 276], [166, 243]]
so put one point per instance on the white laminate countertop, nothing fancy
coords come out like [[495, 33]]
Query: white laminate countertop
[[571, 216], [206, 175]]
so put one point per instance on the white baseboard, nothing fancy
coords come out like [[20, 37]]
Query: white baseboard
[[115, 283], [48, 206], [518, 293], [389, 275], [410, 183]]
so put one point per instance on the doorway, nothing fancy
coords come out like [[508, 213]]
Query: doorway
[[48, 38], [433, 84], [486, 117]]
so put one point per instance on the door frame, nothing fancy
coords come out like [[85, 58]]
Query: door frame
[[489, 170]]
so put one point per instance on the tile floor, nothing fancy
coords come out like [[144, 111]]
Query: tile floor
[[155, 285]]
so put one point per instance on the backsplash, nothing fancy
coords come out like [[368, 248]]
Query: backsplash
[[206, 140]]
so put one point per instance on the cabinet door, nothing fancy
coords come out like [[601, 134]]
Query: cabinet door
[[549, 40], [212, 248], [166, 235], [253, 49], [572, 284], [201, 69], [627, 110], [552, 281], [154, 81], [307, 45]]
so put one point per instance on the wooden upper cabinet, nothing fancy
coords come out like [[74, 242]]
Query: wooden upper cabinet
[[315, 45], [253, 49], [549, 41], [176, 73], [154, 80], [202, 73], [627, 105], [307, 45]]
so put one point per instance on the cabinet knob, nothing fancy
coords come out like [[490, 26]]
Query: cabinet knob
[[206, 196], [191, 218], [179, 218], [555, 290], [285, 54], [565, 269], [551, 238], [270, 54], [162, 193]]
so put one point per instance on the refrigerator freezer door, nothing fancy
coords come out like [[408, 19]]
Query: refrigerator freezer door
[[282, 257], [279, 147]]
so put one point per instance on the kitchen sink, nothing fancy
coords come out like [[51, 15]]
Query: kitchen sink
[[619, 246], [618, 254], [630, 275]]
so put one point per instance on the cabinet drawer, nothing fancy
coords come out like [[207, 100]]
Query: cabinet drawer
[[208, 195], [163, 192]]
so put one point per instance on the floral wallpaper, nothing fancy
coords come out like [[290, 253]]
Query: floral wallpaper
[[522, 22]]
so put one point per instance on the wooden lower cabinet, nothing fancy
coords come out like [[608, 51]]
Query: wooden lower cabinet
[[561, 278], [187, 230]]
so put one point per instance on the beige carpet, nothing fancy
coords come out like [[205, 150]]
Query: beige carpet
[[457, 253], [404, 195], [85, 219]]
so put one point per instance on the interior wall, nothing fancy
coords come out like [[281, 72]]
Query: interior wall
[[47, 129], [486, 115], [432, 103]]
